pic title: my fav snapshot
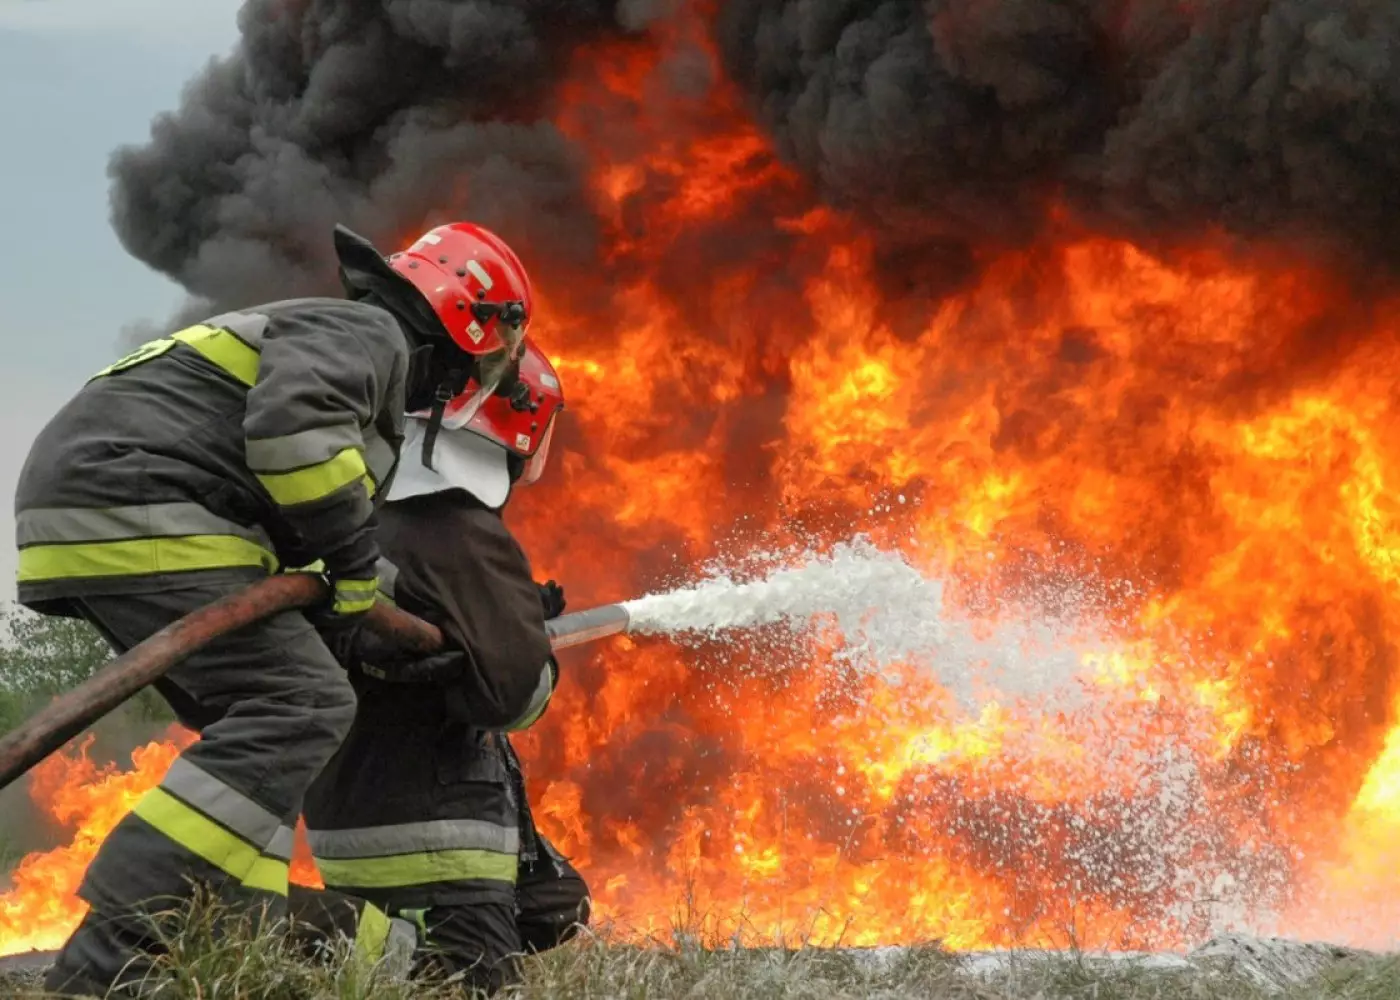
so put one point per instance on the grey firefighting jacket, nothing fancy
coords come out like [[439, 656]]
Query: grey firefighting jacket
[[253, 441], [423, 804]]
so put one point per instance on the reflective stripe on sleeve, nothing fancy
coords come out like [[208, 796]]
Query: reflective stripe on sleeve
[[315, 481], [302, 449], [354, 596], [539, 701]]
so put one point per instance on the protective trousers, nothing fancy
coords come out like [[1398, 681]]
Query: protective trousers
[[480, 940], [427, 819], [271, 704], [483, 941]]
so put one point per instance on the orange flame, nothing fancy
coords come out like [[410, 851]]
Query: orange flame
[[41, 908], [1203, 446]]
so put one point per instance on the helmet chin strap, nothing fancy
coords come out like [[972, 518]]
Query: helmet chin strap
[[441, 397]]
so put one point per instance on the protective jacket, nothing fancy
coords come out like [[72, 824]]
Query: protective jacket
[[254, 440], [422, 806]]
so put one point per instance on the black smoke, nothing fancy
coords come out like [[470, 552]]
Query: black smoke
[[955, 122], [386, 115], [949, 126]]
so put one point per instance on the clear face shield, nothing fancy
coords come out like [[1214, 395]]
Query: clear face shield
[[494, 368], [534, 465]]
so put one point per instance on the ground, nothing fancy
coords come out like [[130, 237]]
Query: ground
[[591, 967]]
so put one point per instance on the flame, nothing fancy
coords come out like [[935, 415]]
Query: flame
[[40, 908], [1198, 444]]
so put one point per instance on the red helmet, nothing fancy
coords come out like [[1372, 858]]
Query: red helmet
[[475, 284], [520, 420]]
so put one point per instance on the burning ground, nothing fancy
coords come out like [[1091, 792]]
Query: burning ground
[[1087, 309]]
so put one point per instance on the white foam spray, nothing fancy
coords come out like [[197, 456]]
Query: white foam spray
[[1027, 654], [888, 613]]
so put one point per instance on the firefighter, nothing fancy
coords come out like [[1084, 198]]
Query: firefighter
[[422, 811], [257, 440]]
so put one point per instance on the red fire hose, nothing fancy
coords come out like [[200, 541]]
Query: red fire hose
[[70, 713]]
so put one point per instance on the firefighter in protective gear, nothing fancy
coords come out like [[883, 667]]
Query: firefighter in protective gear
[[422, 811], [258, 440]]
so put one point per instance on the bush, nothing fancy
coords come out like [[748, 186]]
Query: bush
[[41, 657]]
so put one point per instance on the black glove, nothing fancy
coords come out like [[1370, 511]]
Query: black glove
[[552, 599], [341, 636], [353, 573]]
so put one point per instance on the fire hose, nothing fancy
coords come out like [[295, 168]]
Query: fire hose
[[72, 712]]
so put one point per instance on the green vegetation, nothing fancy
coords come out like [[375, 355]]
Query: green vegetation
[[251, 959], [41, 657]]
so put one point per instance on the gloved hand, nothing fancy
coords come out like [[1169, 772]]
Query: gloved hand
[[552, 598], [353, 574], [342, 637]]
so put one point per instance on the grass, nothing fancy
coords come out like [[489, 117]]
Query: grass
[[210, 956]]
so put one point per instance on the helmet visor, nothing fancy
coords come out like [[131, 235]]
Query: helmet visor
[[534, 465], [492, 369]]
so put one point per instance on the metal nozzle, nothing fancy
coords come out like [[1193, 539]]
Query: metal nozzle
[[587, 626]]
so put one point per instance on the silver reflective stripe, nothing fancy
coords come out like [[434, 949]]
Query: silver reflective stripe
[[379, 456], [399, 949], [282, 842], [247, 327], [227, 806], [302, 449], [544, 690], [388, 577], [414, 838], [48, 525]]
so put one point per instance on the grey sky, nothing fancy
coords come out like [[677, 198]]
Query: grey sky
[[77, 78]]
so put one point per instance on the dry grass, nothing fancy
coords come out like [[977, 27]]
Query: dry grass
[[210, 957], [595, 969]]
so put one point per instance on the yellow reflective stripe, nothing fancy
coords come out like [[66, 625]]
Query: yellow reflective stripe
[[141, 557], [532, 718], [354, 596], [201, 836], [371, 933], [147, 351], [268, 875], [315, 481], [223, 349], [370, 486], [220, 347], [417, 869]]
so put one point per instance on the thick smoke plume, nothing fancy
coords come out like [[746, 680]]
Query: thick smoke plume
[[973, 121], [946, 125], [386, 115]]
